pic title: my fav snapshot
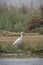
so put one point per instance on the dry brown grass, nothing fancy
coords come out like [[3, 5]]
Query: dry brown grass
[[31, 39], [34, 40]]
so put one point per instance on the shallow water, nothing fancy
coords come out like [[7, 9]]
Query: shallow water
[[29, 61]]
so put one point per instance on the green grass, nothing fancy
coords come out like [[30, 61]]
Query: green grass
[[13, 20]]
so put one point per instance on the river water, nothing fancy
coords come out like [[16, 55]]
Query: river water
[[29, 61]]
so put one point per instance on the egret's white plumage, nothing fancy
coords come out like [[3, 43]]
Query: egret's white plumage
[[18, 40]]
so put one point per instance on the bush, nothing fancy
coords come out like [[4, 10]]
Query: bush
[[41, 30]]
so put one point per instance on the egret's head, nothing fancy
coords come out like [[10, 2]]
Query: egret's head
[[22, 33]]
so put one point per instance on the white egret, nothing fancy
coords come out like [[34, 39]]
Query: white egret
[[18, 40]]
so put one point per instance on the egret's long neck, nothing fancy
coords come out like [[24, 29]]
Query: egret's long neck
[[21, 35]]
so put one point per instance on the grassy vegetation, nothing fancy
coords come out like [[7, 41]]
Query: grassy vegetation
[[14, 19]]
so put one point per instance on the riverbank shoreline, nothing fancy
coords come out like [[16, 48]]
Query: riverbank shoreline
[[20, 55]]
